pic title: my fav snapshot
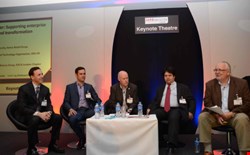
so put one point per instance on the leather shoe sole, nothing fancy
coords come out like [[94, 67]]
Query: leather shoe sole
[[32, 152], [208, 153], [55, 149]]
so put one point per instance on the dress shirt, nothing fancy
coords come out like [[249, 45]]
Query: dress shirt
[[224, 96], [173, 95], [82, 99]]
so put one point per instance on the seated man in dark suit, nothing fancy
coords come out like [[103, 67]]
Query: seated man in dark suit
[[34, 108], [79, 101], [125, 93], [173, 102]]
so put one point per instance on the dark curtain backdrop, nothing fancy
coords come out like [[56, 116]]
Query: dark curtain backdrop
[[145, 56]]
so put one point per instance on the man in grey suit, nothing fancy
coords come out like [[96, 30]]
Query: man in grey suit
[[79, 101], [175, 106], [233, 96]]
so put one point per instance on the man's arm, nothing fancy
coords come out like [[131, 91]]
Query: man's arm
[[133, 94], [47, 97], [94, 95], [191, 103], [22, 100], [66, 101], [245, 95], [209, 103], [208, 96], [190, 100], [112, 98], [155, 103]]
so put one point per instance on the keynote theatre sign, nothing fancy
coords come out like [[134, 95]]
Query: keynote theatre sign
[[157, 24]]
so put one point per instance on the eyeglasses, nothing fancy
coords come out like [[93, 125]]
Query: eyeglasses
[[219, 70]]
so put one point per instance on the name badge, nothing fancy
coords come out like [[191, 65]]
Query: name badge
[[183, 101], [130, 100], [238, 101], [44, 103], [88, 95]]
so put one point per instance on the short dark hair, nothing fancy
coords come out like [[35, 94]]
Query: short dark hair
[[31, 71], [79, 68], [169, 69]]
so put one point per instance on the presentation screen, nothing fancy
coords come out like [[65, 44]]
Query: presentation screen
[[24, 44]]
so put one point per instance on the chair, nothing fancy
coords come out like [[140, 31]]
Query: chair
[[11, 113], [248, 80], [64, 115], [229, 130]]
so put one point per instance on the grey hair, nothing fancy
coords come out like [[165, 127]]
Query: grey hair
[[228, 65]]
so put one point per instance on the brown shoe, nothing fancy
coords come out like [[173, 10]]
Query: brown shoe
[[208, 153]]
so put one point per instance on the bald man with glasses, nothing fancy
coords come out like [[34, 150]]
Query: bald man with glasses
[[233, 96]]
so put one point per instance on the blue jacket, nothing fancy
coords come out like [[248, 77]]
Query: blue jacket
[[71, 97]]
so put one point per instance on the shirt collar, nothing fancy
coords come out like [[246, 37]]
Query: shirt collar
[[34, 85], [123, 88], [228, 82], [172, 84], [79, 84]]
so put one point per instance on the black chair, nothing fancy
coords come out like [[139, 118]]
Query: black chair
[[248, 80], [229, 130], [64, 115], [11, 113]]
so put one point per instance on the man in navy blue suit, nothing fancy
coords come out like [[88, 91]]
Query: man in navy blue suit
[[79, 101]]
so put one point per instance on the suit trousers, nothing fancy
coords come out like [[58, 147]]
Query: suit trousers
[[173, 116], [82, 114], [35, 121], [240, 123]]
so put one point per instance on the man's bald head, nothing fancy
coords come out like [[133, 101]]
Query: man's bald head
[[123, 78]]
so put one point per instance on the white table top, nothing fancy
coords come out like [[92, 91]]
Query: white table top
[[122, 136]]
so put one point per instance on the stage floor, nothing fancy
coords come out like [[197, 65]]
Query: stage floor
[[14, 141]]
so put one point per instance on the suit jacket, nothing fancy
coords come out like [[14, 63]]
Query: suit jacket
[[182, 91], [116, 95], [71, 97], [236, 86], [28, 104]]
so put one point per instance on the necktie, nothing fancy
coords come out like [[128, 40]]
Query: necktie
[[37, 91], [124, 98], [167, 99]]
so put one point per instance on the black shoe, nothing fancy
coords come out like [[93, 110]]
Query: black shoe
[[32, 151], [55, 148], [81, 144], [171, 150]]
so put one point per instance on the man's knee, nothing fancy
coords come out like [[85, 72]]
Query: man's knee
[[73, 120], [242, 119], [203, 116], [35, 120], [91, 113]]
